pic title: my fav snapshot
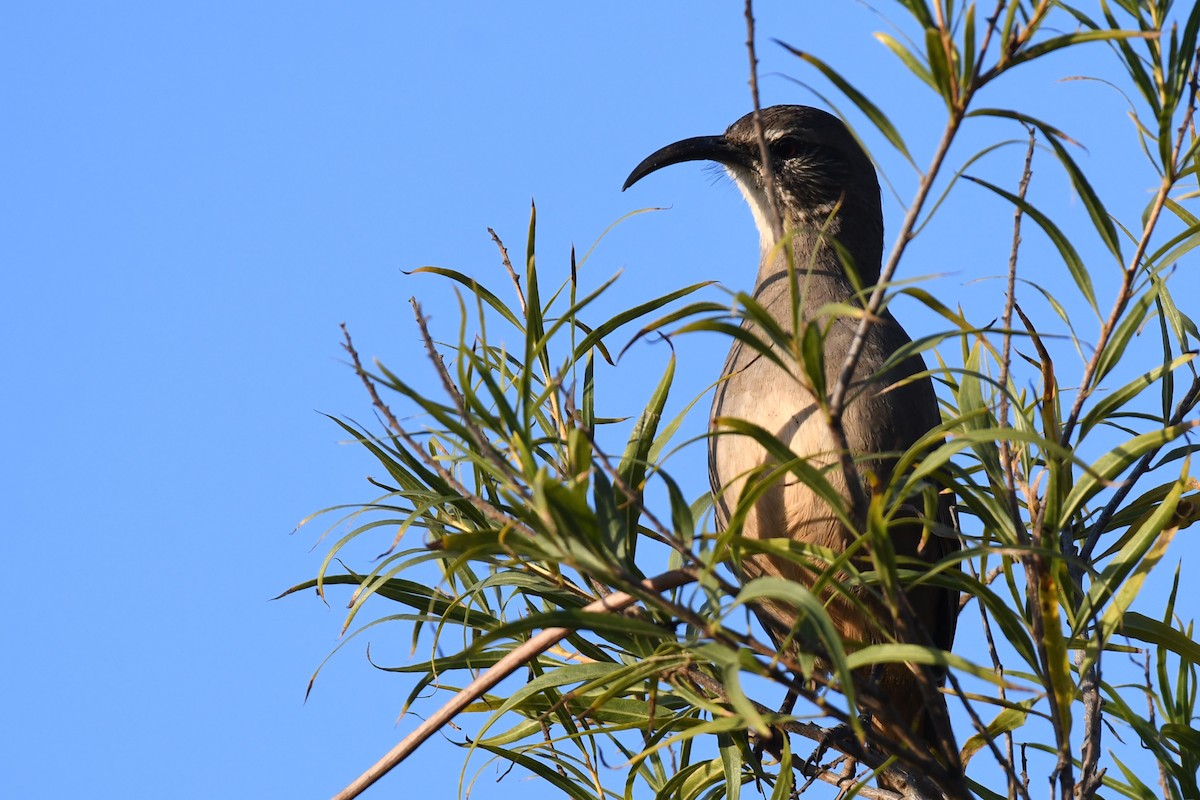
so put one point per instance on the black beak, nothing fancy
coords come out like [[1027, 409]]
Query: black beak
[[698, 148]]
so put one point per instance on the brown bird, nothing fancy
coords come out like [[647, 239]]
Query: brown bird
[[827, 191]]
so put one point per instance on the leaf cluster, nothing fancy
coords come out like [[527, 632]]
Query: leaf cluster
[[507, 511]]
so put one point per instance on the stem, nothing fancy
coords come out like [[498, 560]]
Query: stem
[[1170, 176], [1010, 300], [1124, 295], [1185, 405], [531, 649], [764, 151], [486, 508], [837, 398]]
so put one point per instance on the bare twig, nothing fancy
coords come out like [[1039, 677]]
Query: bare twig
[[1010, 299], [512, 274], [1006, 760], [486, 508], [1091, 776], [1042, 591], [486, 448], [764, 151], [1006, 451]]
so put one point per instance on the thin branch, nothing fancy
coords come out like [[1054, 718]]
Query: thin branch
[[841, 387], [1007, 761], [1010, 299], [1041, 590], [1184, 407], [989, 32], [488, 510], [512, 661], [764, 151], [1162, 768], [1125, 294], [512, 274], [1091, 776], [486, 448], [828, 739], [1006, 449], [1015, 45]]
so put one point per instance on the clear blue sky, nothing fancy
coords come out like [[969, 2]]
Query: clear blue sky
[[193, 196]]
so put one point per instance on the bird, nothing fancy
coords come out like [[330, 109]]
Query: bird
[[827, 198]]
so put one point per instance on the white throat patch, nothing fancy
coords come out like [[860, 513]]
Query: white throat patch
[[760, 207]]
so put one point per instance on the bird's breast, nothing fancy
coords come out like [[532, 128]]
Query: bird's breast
[[759, 392]]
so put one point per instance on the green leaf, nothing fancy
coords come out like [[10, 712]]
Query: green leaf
[[1069, 39], [476, 288], [812, 348], [1122, 578], [693, 780], [731, 765], [565, 675], [1113, 463], [1110, 404], [869, 109], [968, 60], [939, 66], [920, 12], [571, 787], [1117, 345], [1185, 735], [1008, 720], [916, 654], [746, 337], [587, 409], [632, 468], [787, 461], [785, 781], [625, 317], [1100, 217], [914, 64], [1141, 790], [1152, 631], [812, 621], [1065, 249], [534, 324]]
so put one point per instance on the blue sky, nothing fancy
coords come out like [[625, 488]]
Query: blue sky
[[195, 195]]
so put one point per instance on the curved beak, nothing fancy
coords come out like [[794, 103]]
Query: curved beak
[[698, 148]]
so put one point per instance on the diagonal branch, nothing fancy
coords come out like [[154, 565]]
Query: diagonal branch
[[512, 661]]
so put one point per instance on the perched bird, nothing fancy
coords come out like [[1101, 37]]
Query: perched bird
[[827, 192]]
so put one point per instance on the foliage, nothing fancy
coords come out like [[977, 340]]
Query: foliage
[[1070, 464]]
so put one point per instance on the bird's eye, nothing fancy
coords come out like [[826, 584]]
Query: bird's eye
[[789, 147]]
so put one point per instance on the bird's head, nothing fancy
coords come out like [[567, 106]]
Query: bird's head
[[818, 168]]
